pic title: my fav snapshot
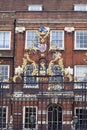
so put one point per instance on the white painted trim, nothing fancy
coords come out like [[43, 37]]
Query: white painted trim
[[77, 108], [67, 122], [19, 29], [6, 116], [29, 86], [24, 115], [9, 41], [75, 75], [43, 112], [35, 7], [47, 113], [31, 30], [69, 29], [53, 43], [8, 74], [77, 7], [52, 21], [43, 122], [75, 40], [67, 112]]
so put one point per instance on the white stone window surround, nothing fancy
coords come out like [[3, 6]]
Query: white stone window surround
[[31, 39], [57, 39], [35, 7], [6, 116], [80, 75], [80, 41], [80, 7], [24, 107], [4, 75], [5, 40]]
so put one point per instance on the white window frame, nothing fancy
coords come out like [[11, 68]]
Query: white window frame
[[35, 7], [24, 117], [75, 69], [6, 116], [9, 39], [80, 7], [78, 108], [33, 42], [52, 45], [7, 86], [79, 48], [78, 78]]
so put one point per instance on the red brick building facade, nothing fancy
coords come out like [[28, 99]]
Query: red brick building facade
[[43, 64]]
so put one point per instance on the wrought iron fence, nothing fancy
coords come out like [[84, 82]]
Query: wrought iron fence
[[60, 106]]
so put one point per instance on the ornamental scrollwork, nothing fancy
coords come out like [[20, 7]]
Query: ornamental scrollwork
[[19, 70]]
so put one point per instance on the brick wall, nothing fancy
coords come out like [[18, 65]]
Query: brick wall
[[47, 4]]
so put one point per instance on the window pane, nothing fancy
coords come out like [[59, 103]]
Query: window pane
[[35, 8], [80, 71], [31, 39], [57, 39], [4, 70], [80, 7], [4, 74], [81, 39], [80, 76], [2, 117], [30, 111], [54, 117], [4, 40], [81, 113]]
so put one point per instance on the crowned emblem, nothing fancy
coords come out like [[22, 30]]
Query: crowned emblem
[[42, 34]]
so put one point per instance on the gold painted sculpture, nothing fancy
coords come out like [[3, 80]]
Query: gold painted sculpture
[[27, 60], [68, 72], [57, 58], [43, 33], [19, 70]]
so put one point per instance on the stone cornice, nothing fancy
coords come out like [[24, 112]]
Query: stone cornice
[[51, 21]]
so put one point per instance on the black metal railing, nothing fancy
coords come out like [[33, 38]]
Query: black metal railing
[[52, 108]]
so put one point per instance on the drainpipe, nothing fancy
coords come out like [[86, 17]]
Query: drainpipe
[[13, 67], [14, 47]]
